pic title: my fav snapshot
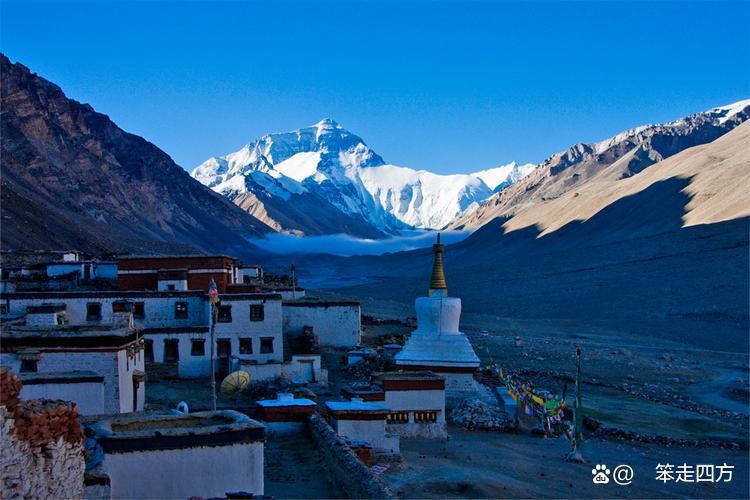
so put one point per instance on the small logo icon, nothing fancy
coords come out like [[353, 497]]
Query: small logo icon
[[623, 475], [601, 474]]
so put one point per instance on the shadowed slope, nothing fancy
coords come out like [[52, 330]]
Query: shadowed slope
[[663, 253], [72, 179]]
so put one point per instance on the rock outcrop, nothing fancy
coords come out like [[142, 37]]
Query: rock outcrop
[[41, 445]]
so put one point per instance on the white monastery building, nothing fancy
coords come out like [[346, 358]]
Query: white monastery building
[[363, 421], [99, 366], [416, 402]]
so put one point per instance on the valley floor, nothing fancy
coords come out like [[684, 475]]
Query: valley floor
[[658, 389], [492, 465]]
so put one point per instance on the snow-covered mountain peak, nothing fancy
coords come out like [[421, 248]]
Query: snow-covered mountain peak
[[717, 116], [504, 175], [328, 161], [326, 126], [724, 113]]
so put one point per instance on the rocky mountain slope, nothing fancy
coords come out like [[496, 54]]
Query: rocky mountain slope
[[72, 179], [660, 253], [618, 157], [338, 179]]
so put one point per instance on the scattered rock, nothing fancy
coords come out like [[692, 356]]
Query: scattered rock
[[474, 414]]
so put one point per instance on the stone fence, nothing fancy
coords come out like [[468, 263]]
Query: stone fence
[[41, 445], [349, 473]]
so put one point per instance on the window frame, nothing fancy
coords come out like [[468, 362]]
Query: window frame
[[255, 316], [92, 317], [29, 363], [139, 314], [178, 312], [264, 345], [195, 343], [244, 342], [222, 309]]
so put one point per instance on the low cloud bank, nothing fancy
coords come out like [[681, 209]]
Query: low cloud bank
[[345, 245]]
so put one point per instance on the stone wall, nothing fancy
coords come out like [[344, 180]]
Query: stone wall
[[41, 445], [349, 473]]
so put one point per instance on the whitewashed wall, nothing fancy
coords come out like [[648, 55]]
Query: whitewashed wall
[[126, 367], [118, 375], [183, 473], [411, 401], [417, 401], [296, 368], [88, 396], [372, 431], [261, 372], [335, 325], [159, 310], [241, 326], [163, 285]]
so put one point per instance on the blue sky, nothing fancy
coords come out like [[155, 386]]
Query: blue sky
[[449, 87]]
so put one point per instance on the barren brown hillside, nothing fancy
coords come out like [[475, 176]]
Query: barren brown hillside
[[718, 176]]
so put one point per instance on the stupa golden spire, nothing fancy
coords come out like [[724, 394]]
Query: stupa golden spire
[[438, 288]]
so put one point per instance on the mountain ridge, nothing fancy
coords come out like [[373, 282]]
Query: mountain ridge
[[72, 179], [618, 157]]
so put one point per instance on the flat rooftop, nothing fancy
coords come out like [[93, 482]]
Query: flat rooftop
[[356, 405], [417, 375], [161, 430]]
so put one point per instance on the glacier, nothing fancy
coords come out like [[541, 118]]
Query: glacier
[[330, 163]]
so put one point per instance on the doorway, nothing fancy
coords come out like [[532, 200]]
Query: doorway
[[171, 350], [223, 355], [306, 371]]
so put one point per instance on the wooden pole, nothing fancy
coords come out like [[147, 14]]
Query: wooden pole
[[575, 454], [213, 298], [214, 311]]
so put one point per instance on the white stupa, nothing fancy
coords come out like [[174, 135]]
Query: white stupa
[[437, 344]]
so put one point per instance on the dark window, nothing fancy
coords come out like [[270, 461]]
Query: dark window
[[225, 314], [139, 310], [256, 312], [246, 346], [171, 350], [180, 310], [171, 288], [93, 311], [197, 347], [3, 308], [149, 350], [28, 365], [266, 345]]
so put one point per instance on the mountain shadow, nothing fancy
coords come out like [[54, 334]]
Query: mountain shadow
[[631, 267]]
